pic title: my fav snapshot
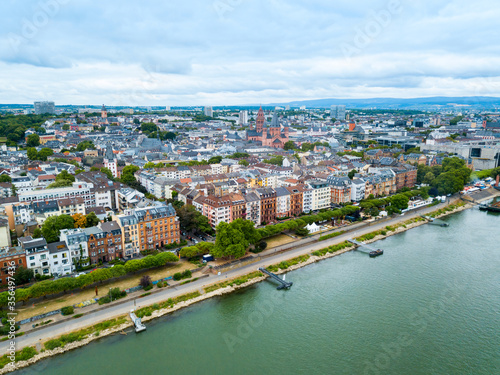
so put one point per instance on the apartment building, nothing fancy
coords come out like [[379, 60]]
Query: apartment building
[[283, 202], [340, 189], [267, 204], [37, 254], [7, 256], [79, 189], [321, 195]]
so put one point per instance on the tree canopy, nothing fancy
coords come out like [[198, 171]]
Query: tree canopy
[[52, 226]]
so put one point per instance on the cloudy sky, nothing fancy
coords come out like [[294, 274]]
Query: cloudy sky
[[229, 52]]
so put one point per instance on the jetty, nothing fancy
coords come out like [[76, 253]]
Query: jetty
[[367, 249], [433, 221], [139, 327], [284, 284]]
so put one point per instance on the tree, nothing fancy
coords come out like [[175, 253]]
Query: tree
[[5, 178], [37, 233], [108, 173], [65, 127], [64, 175], [32, 153], [85, 145], [91, 220], [23, 275], [191, 220], [351, 173], [80, 220], [52, 226], [60, 183], [244, 163], [170, 135], [33, 140], [230, 242], [145, 281], [428, 178], [290, 145], [149, 165], [215, 160], [45, 153]]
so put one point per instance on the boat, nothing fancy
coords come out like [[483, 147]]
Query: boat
[[489, 208], [376, 253]]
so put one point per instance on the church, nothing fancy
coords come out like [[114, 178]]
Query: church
[[272, 136]]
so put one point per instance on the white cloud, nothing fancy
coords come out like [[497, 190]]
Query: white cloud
[[192, 53]]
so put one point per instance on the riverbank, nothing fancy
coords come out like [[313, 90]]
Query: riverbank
[[402, 225]]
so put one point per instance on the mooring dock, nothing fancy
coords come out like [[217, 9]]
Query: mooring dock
[[284, 284], [370, 250], [433, 221], [139, 327]]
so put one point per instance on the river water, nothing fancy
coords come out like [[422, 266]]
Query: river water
[[429, 305]]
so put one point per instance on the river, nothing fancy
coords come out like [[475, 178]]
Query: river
[[429, 305]]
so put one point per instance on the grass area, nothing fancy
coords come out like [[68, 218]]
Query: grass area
[[279, 240], [21, 355], [61, 341], [238, 281], [148, 310], [288, 263], [89, 293], [332, 249], [331, 235]]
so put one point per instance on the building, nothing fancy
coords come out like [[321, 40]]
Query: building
[[243, 119], [208, 111], [252, 201], [104, 242], [76, 242], [340, 189], [37, 254], [19, 214], [79, 189], [358, 188], [283, 201], [5, 240], [44, 107], [72, 206], [267, 204], [216, 209], [321, 195], [15, 255], [337, 112], [60, 259], [272, 136], [111, 162], [148, 228]]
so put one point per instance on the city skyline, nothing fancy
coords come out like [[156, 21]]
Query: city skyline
[[237, 52]]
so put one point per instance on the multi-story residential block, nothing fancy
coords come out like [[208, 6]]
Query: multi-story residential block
[[340, 189], [321, 195], [128, 198], [216, 209], [283, 202], [238, 206], [5, 240], [23, 184], [60, 259], [148, 228], [71, 206], [267, 204], [13, 257], [307, 200], [5, 189], [45, 209], [79, 189], [37, 254], [358, 188], [104, 242], [19, 214], [252, 203], [296, 199], [76, 242]]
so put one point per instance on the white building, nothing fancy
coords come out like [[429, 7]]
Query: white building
[[23, 184], [358, 187], [60, 259], [321, 195], [37, 254], [243, 119], [76, 242], [79, 189]]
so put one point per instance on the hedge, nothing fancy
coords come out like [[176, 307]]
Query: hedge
[[48, 287], [331, 235]]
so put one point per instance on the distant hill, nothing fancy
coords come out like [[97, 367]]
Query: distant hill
[[393, 103]]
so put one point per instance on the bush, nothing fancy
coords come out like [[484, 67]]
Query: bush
[[67, 310], [184, 275], [331, 235], [145, 281]]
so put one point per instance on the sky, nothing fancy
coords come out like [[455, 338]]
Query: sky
[[236, 52]]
